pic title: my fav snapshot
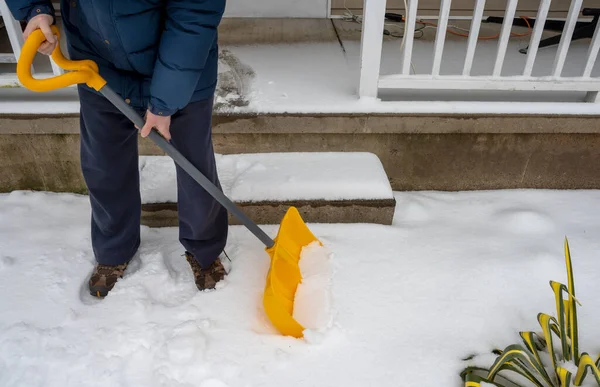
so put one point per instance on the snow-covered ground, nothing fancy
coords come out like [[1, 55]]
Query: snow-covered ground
[[456, 274]]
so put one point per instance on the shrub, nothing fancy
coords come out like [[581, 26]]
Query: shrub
[[550, 358]]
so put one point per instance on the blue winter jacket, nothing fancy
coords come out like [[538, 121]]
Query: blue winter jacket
[[157, 54]]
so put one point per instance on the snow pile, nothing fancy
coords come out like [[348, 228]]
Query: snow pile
[[457, 275], [234, 81], [278, 177], [312, 302]]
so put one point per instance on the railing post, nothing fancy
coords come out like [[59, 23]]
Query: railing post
[[371, 45]]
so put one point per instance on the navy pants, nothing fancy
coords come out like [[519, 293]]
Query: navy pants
[[109, 161]]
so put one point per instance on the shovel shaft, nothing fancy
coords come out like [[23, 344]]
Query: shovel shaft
[[169, 149]]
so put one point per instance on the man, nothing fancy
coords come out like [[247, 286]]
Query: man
[[161, 57]]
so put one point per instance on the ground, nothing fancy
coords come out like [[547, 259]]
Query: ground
[[456, 274]]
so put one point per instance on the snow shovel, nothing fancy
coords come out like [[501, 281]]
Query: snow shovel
[[284, 272]]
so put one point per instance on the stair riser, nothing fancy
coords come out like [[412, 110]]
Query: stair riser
[[412, 161], [367, 211]]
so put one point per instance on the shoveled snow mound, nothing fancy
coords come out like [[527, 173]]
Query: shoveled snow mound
[[457, 274], [312, 303], [278, 177]]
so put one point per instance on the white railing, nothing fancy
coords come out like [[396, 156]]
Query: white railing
[[371, 82], [15, 36]]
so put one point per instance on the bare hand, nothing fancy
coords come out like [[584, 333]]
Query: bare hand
[[161, 123], [42, 22]]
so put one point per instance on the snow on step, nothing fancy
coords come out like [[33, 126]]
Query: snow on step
[[278, 177]]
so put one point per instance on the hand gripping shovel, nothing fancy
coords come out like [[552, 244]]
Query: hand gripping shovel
[[284, 272]]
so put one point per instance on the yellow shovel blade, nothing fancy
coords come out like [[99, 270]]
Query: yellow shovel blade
[[284, 274]]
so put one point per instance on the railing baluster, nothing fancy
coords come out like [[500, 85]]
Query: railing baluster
[[440, 36], [473, 36], [592, 53], [504, 36], [534, 42], [592, 96], [565, 40], [371, 45], [13, 29], [411, 19], [56, 69]]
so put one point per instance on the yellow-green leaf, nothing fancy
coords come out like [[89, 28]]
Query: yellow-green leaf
[[564, 376], [524, 364], [529, 340], [470, 379], [573, 333], [558, 289], [474, 374], [586, 362], [546, 322], [567, 308], [569, 268]]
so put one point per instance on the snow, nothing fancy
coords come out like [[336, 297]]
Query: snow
[[278, 177], [321, 77], [312, 302], [457, 274]]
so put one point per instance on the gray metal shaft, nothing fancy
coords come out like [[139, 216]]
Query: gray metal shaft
[[169, 149]]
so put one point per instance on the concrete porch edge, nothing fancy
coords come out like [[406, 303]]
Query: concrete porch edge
[[334, 123]]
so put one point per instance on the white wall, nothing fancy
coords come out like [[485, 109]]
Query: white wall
[[277, 8]]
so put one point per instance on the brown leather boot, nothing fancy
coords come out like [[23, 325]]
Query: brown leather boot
[[206, 278], [104, 278]]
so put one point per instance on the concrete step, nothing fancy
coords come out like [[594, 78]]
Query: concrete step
[[326, 187]]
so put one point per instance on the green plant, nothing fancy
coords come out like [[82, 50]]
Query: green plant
[[549, 359]]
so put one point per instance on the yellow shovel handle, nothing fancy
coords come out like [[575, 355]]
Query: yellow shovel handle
[[82, 71]]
